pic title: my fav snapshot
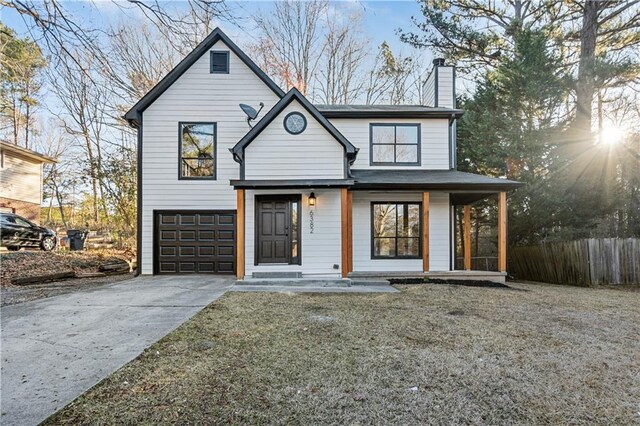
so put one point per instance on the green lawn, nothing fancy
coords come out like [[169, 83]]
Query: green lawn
[[433, 354]]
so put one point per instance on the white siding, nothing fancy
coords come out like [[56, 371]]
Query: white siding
[[320, 250], [446, 96], [428, 90], [196, 96], [21, 178], [277, 154], [434, 137], [439, 250]]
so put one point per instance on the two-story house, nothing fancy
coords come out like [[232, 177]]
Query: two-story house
[[21, 185], [304, 190]]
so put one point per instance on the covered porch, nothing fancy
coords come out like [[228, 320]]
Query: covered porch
[[345, 237], [431, 188]]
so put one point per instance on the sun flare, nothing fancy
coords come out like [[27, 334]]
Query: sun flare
[[611, 135]]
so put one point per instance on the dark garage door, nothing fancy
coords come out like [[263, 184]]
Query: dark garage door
[[195, 241]]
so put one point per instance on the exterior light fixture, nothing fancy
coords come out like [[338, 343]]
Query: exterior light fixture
[[312, 200]]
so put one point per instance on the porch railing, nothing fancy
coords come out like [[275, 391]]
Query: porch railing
[[479, 263]]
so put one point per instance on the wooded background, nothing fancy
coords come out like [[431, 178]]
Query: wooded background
[[550, 89]]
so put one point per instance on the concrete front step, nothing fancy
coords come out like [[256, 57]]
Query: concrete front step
[[276, 275], [369, 283], [296, 282]]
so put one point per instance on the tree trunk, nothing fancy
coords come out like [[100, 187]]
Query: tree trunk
[[16, 118], [60, 205], [94, 177], [585, 87], [27, 118]]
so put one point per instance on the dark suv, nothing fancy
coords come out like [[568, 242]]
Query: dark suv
[[17, 232]]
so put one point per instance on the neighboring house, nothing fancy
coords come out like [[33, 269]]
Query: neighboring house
[[310, 190], [21, 180]]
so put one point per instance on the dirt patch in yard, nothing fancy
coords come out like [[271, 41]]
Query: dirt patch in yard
[[35, 263], [430, 354], [465, 283], [11, 295]]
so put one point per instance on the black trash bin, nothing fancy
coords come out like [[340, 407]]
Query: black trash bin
[[76, 239]]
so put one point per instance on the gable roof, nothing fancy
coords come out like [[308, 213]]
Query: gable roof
[[33, 155], [293, 94], [216, 35]]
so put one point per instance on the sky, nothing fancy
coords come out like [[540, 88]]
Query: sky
[[381, 21], [381, 18]]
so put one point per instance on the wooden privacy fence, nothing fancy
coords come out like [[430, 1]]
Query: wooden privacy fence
[[593, 261]]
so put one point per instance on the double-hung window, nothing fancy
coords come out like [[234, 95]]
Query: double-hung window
[[197, 151], [395, 144], [395, 230]]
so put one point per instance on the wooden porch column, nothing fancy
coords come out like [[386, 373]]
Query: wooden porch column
[[467, 238], [240, 235], [425, 231], [346, 214], [350, 229], [502, 232]]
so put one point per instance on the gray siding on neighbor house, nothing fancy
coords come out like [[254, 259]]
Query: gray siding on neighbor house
[[20, 178], [197, 95]]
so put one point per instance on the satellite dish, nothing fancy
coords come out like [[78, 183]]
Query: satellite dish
[[251, 112]]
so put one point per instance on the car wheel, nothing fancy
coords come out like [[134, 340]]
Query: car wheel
[[48, 243], [13, 248]]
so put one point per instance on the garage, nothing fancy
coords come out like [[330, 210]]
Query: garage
[[195, 242]]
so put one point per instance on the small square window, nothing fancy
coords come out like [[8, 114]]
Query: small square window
[[219, 62]]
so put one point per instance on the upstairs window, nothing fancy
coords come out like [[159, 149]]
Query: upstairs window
[[395, 144], [219, 62], [197, 151]]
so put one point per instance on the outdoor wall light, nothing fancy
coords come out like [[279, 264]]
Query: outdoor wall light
[[312, 200]]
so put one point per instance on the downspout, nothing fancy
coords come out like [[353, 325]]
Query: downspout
[[139, 197]]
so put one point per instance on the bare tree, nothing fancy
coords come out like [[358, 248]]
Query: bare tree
[[338, 79], [389, 80], [291, 44], [84, 115], [55, 142], [140, 59]]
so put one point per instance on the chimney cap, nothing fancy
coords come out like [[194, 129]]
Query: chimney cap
[[438, 62]]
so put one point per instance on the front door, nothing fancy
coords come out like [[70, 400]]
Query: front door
[[278, 229]]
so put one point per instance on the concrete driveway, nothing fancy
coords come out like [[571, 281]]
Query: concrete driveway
[[55, 349]]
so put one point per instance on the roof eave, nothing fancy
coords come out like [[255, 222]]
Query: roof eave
[[439, 186], [392, 114], [29, 153]]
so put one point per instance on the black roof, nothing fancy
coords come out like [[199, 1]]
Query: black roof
[[215, 36], [293, 94], [387, 111], [429, 179]]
